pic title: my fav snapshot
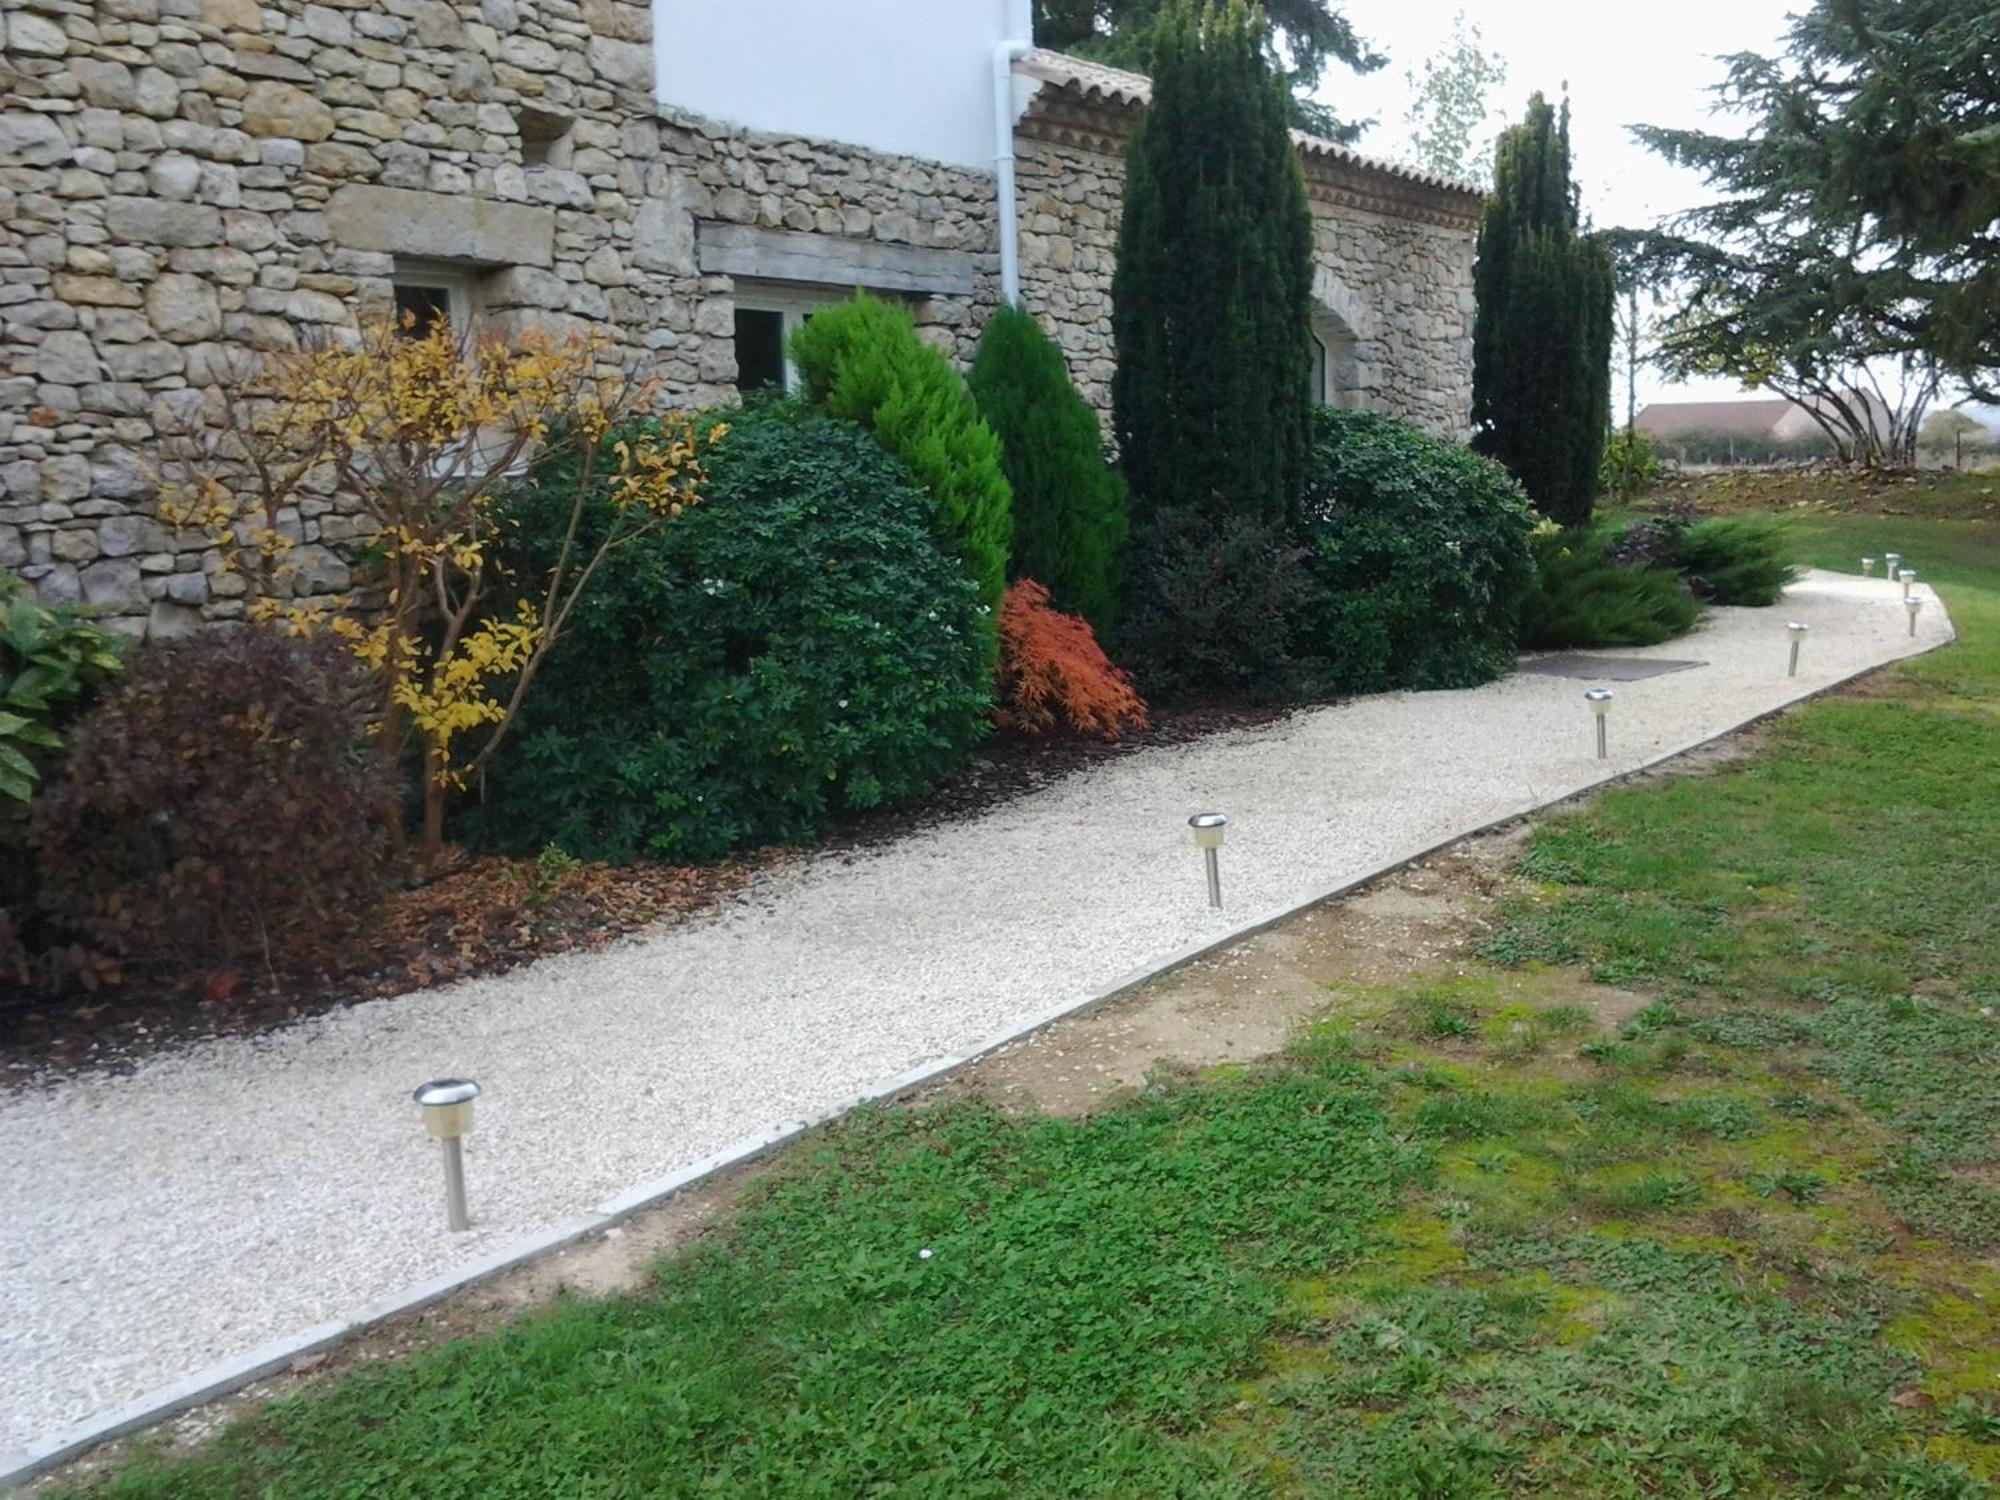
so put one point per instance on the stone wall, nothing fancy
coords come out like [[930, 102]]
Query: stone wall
[[1393, 282], [183, 182], [186, 184]]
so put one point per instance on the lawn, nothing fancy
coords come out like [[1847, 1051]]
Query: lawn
[[1460, 1241]]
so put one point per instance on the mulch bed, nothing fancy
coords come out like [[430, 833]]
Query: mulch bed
[[485, 914]]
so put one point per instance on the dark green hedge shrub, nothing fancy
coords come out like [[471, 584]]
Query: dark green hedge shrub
[[1069, 504], [1737, 560], [796, 646], [863, 361], [1421, 551], [1582, 597], [1212, 610]]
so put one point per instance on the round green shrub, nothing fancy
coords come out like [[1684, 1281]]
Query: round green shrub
[[1421, 551], [796, 646]]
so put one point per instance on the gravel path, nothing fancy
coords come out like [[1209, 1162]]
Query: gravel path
[[233, 1192]]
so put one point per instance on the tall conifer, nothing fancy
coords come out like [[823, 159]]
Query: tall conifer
[[1211, 300], [1541, 340]]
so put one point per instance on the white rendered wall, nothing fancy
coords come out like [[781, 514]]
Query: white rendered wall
[[912, 77]]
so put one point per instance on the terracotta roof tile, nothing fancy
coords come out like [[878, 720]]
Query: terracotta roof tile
[[1095, 81]]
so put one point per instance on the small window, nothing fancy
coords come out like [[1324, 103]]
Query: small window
[[1334, 380], [419, 309], [767, 315], [760, 350], [429, 295]]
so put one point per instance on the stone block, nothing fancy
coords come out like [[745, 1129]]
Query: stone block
[[127, 534], [155, 222], [233, 15], [155, 94], [525, 286], [623, 64], [168, 621], [145, 361], [67, 358], [35, 140], [36, 36], [96, 291], [279, 109], [403, 221], [114, 582], [106, 84], [183, 309]]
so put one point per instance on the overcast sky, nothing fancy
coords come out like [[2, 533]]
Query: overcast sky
[[1624, 63]]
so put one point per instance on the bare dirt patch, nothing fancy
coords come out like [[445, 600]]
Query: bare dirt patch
[[1243, 1002]]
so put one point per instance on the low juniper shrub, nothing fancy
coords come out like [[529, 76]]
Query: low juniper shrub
[[1581, 597], [1737, 560]]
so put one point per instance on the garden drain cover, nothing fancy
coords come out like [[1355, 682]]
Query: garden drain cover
[[1606, 668]]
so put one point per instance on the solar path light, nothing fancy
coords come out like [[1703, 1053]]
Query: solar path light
[[1867, 567], [1891, 564], [1599, 700], [447, 1106], [1208, 829], [1913, 604], [1798, 634], [1909, 578]]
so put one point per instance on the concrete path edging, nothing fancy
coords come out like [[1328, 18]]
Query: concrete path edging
[[230, 1375]]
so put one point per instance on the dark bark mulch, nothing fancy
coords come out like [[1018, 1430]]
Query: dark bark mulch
[[485, 914]]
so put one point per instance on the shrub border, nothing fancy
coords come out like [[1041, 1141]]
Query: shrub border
[[268, 1359]]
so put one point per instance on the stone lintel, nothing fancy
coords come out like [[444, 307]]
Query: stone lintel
[[832, 260], [442, 226]]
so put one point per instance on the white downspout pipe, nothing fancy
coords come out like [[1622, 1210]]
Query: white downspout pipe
[[1021, 26]]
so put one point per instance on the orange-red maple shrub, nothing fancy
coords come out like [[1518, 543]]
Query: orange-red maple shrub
[[1054, 675]]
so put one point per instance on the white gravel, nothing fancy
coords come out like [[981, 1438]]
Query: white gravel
[[236, 1191]]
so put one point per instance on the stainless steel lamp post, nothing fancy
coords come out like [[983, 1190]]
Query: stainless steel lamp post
[[1913, 604], [1208, 828], [1909, 578], [1599, 700], [1798, 635], [447, 1106]]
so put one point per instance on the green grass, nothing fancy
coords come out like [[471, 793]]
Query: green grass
[[1457, 1243]]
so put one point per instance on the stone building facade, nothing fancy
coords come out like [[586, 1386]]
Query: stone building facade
[[185, 184], [1392, 287]]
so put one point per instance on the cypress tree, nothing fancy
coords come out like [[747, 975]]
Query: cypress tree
[[1211, 299], [1069, 504], [1541, 336]]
